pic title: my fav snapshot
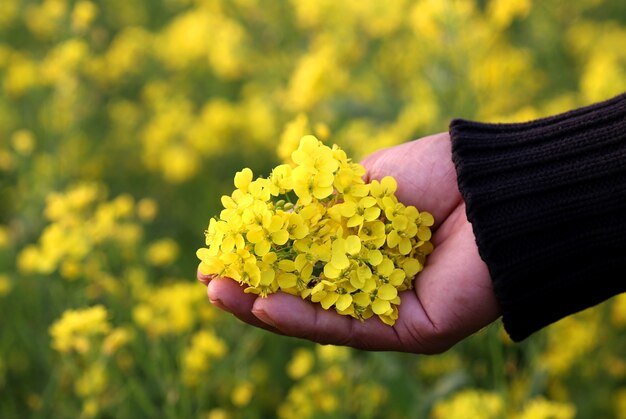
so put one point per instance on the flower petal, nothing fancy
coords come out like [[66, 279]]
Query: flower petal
[[380, 306], [387, 292]]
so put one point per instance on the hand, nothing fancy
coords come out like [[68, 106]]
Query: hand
[[453, 296]]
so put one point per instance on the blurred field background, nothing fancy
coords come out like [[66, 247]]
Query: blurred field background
[[123, 121]]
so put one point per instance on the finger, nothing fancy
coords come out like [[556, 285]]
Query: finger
[[458, 296], [296, 317], [424, 172], [205, 279], [229, 296]]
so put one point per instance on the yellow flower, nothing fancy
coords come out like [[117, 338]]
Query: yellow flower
[[205, 347], [343, 243], [470, 404], [116, 339], [314, 173], [502, 12], [243, 179], [23, 142], [619, 402], [147, 209], [339, 260], [540, 408], [360, 211], [271, 232], [385, 188], [162, 252], [5, 285], [300, 364], [309, 184], [7, 160], [349, 181], [218, 413], [76, 329], [242, 394], [169, 309], [290, 137], [83, 15], [581, 331], [93, 381], [407, 223], [5, 236]]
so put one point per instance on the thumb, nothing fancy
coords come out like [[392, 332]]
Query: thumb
[[424, 172]]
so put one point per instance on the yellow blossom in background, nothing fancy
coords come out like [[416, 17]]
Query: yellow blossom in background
[[618, 310], [162, 252], [319, 394], [5, 285], [123, 57], [147, 209], [218, 413], [313, 395], [440, 365], [188, 40], [23, 142], [64, 61], [604, 63], [169, 309], [321, 131], [540, 408], [470, 404], [581, 332], [179, 163], [8, 11], [242, 394], [309, 82], [21, 75], [293, 131], [77, 198], [93, 381], [619, 403], [7, 162], [604, 76], [83, 221], [503, 12], [83, 14], [90, 408], [116, 339], [76, 329], [121, 123], [91, 386], [5, 236], [332, 353], [34, 401], [45, 19], [205, 349], [300, 364]]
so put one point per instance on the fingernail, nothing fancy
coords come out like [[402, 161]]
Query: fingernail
[[262, 315], [205, 279], [218, 303]]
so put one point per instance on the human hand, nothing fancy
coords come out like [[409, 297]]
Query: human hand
[[452, 298]]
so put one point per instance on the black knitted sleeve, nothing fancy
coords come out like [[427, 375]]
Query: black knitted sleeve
[[547, 203]]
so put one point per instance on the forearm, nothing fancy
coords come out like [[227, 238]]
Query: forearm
[[547, 202]]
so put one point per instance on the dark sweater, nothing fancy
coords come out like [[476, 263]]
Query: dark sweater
[[547, 202]]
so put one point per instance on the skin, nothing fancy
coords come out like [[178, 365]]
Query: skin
[[453, 296]]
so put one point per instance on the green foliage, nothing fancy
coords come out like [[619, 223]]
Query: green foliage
[[122, 123]]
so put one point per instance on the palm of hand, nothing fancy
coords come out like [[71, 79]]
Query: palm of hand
[[452, 298]]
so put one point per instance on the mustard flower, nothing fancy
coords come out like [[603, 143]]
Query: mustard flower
[[205, 347], [76, 329], [344, 244]]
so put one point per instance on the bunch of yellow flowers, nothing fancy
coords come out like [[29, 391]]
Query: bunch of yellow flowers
[[318, 231]]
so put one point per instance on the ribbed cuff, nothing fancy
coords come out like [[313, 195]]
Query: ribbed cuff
[[547, 202]]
